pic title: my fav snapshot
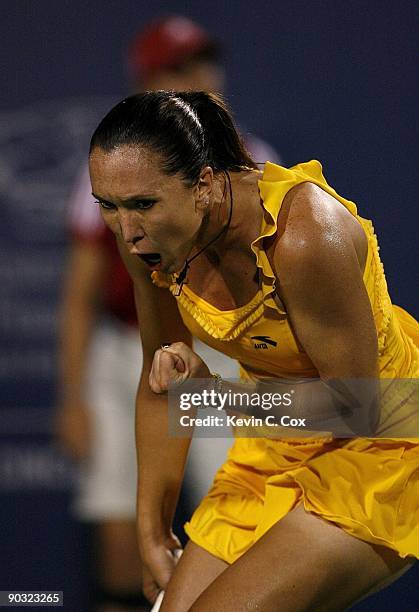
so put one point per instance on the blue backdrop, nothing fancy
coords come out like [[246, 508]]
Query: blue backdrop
[[326, 79]]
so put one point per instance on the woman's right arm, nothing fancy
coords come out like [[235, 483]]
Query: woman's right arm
[[161, 458]]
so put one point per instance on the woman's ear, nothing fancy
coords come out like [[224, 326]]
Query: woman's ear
[[204, 186]]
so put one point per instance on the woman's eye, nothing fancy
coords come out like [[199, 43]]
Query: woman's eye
[[139, 204], [144, 204], [105, 205]]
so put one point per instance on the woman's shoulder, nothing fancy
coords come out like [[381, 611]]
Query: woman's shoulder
[[311, 200], [314, 227], [307, 209]]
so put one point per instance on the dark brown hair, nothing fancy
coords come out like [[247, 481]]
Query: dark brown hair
[[189, 130]]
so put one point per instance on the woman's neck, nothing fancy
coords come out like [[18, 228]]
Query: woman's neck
[[245, 210]]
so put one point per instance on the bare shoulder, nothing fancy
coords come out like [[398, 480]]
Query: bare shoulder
[[316, 230], [308, 207]]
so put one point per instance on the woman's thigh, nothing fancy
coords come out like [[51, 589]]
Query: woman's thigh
[[302, 563], [195, 571]]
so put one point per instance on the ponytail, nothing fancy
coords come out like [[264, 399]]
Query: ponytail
[[225, 149]]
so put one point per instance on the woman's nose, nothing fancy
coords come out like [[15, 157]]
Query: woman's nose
[[130, 228]]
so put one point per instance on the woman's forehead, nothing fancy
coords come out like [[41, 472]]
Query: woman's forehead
[[126, 161], [127, 167], [125, 156]]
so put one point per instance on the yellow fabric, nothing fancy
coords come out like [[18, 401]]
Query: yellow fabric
[[368, 487]]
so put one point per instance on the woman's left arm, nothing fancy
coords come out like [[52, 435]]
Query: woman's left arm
[[320, 280]]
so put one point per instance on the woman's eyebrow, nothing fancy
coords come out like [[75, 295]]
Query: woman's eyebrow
[[140, 196], [130, 198], [101, 199]]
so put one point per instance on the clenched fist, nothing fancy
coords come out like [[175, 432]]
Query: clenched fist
[[173, 365]]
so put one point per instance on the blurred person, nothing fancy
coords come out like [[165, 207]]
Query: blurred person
[[100, 353], [234, 255]]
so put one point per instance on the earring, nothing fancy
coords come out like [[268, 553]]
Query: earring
[[202, 204]]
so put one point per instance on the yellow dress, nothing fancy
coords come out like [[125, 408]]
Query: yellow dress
[[367, 486]]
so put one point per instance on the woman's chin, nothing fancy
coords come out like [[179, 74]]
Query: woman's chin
[[175, 267]]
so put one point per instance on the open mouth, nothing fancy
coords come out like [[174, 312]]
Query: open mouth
[[153, 260]]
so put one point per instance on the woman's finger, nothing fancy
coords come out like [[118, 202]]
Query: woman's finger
[[194, 366], [167, 368]]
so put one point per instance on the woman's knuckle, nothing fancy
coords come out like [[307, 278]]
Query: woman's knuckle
[[178, 345]]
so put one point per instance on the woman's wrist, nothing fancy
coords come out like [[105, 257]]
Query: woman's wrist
[[155, 516], [152, 532]]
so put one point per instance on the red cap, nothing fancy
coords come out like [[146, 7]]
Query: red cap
[[166, 43]]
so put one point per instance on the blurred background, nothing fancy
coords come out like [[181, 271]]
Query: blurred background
[[327, 79]]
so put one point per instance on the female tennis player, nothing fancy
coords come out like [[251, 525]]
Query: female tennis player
[[236, 254]]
